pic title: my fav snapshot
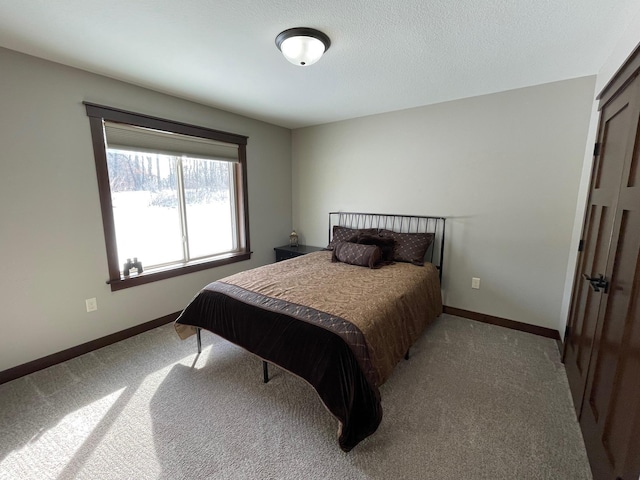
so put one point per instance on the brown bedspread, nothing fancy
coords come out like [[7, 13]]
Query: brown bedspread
[[343, 328]]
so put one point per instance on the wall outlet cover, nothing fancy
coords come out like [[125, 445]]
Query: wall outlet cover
[[92, 304]]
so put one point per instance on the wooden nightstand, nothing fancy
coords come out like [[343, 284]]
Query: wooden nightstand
[[285, 252]]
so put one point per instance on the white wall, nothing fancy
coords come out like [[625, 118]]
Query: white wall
[[629, 39], [52, 244], [504, 168]]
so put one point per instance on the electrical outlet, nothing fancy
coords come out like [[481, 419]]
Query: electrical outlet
[[92, 304], [475, 283]]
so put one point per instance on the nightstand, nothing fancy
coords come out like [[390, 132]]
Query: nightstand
[[285, 252]]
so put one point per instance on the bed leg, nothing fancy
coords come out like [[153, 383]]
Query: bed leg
[[265, 372], [406, 355], [199, 340]]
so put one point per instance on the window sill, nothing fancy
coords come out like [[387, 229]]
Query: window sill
[[175, 271]]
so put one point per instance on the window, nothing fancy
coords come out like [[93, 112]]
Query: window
[[173, 195]]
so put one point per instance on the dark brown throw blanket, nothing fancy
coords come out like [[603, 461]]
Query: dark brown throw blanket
[[340, 327]]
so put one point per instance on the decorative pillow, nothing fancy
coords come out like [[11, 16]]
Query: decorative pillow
[[357, 254], [344, 234], [386, 244], [410, 247]]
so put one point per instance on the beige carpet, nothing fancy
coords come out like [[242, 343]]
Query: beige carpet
[[474, 401]]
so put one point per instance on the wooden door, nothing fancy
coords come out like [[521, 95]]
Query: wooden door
[[611, 398], [602, 345], [599, 218]]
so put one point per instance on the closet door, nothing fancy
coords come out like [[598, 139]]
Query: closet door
[[612, 395], [602, 342], [599, 218]]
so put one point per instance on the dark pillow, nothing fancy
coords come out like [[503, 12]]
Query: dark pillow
[[357, 254], [410, 247], [386, 244], [345, 234]]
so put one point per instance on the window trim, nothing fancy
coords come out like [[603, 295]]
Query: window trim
[[99, 113]]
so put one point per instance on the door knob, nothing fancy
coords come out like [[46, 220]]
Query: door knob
[[597, 283]]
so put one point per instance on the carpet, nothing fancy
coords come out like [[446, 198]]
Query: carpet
[[473, 401]]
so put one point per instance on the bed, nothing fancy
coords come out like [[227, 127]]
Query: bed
[[339, 321]]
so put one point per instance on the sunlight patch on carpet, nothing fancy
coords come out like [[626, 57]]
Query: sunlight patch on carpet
[[53, 454]]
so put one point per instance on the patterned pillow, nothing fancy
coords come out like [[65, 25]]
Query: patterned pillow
[[410, 247], [344, 234], [387, 245], [357, 254]]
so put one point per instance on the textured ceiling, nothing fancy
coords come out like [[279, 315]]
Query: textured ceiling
[[385, 54]]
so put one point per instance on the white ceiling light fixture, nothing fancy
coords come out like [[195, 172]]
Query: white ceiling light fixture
[[303, 46]]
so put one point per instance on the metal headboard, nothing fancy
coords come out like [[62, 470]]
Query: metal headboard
[[397, 223]]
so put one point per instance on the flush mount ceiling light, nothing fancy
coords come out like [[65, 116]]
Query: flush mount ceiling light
[[302, 46]]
